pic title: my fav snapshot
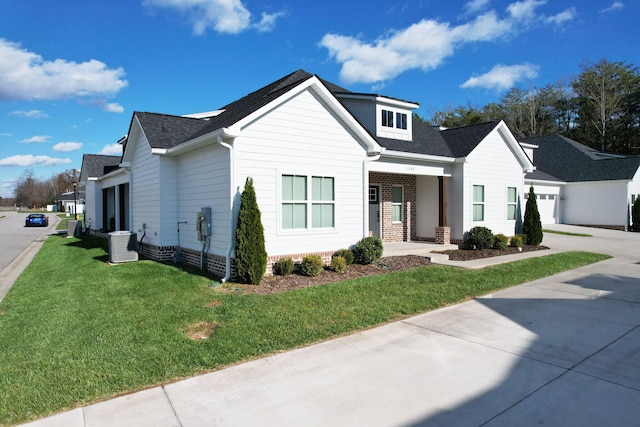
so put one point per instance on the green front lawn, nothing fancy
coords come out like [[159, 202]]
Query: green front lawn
[[74, 330]]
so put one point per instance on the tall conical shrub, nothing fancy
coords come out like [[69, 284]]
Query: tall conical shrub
[[531, 226], [251, 255]]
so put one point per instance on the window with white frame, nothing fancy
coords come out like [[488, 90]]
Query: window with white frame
[[297, 206], [401, 120], [397, 197], [387, 118], [512, 202], [323, 202], [478, 202]]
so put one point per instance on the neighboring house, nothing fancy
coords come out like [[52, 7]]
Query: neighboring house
[[329, 167], [104, 211], [578, 185], [71, 202]]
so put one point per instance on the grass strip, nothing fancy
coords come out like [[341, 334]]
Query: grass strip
[[566, 233], [75, 330]]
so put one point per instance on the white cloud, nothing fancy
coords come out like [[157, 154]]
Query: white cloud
[[562, 17], [475, 6], [268, 21], [223, 16], [424, 45], [109, 107], [31, 160], [67, 146], [31, 114], [26, 75], [111, 150], [502, 77], [617, 5], [7, 187], [36, 139], [6, 134]]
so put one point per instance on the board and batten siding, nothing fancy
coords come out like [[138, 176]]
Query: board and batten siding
[[493, 165], [145, 191], [302, 137], [203, 181]]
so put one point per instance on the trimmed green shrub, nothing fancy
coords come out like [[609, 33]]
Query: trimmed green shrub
[[479, 238], [283, 267], [311, 265], [635, 215], [531, 225], [251, 255], [517, 241], [347, 254], [500, 241], [338, 264], [367, 250]]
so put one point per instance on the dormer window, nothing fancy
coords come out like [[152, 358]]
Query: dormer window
[[387, 118], [401, 120]]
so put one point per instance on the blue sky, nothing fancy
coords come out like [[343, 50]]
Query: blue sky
[[72, 72]]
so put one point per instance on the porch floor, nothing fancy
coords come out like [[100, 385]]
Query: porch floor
[[417, 248]]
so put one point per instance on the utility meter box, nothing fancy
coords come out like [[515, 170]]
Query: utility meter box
[[203, 223], [123, 247]]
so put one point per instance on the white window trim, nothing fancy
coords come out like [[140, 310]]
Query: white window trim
[[515, 204], [395, 204], [483, 203], [309, 230]]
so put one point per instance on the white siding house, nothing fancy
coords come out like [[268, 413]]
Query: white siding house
[[329, 167]]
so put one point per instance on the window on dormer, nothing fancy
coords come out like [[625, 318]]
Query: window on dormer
[[401, 120], [387, 118]]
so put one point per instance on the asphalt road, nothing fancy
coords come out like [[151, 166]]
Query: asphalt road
[[17, 244]]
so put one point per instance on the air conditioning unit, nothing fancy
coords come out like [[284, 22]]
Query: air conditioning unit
[[123, 246]]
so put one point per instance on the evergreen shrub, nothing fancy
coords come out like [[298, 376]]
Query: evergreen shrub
[[367, 250], [283, 267], [500, 241], [311, 265], [347, 254], [479, 238], [338, 264], [251, 255], [531, 225]]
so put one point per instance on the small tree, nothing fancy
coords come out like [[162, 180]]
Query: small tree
[[532, 226], [251, 255], [635, 215]]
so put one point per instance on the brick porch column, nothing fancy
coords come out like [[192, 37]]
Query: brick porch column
[[443, 235]]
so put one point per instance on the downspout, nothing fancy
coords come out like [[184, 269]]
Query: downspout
[[365, 191], [232, 234]]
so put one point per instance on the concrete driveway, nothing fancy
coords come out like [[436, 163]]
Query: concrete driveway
[[562, 351]]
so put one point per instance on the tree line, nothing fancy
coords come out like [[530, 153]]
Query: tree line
[[599, 108], [33, 192]]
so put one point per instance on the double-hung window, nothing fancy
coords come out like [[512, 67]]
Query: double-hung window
[[294, 201], [401, 120], [512, 201], [299, 210], [478, 202], [387, 118], [323, 202], [396, 203]]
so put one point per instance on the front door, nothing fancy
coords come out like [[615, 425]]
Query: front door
[[374, 211]]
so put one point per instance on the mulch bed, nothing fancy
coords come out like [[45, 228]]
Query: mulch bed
[[470, 254], [274, 284]]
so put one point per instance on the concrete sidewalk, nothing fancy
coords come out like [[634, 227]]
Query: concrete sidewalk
[[564, 350]]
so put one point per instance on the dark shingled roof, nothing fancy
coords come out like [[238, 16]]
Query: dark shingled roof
[[571, 161], [166, 131], [97, 165]]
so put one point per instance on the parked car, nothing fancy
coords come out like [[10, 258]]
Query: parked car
[[36, 220]]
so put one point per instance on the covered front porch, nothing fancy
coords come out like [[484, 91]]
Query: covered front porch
[[408, 207]]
